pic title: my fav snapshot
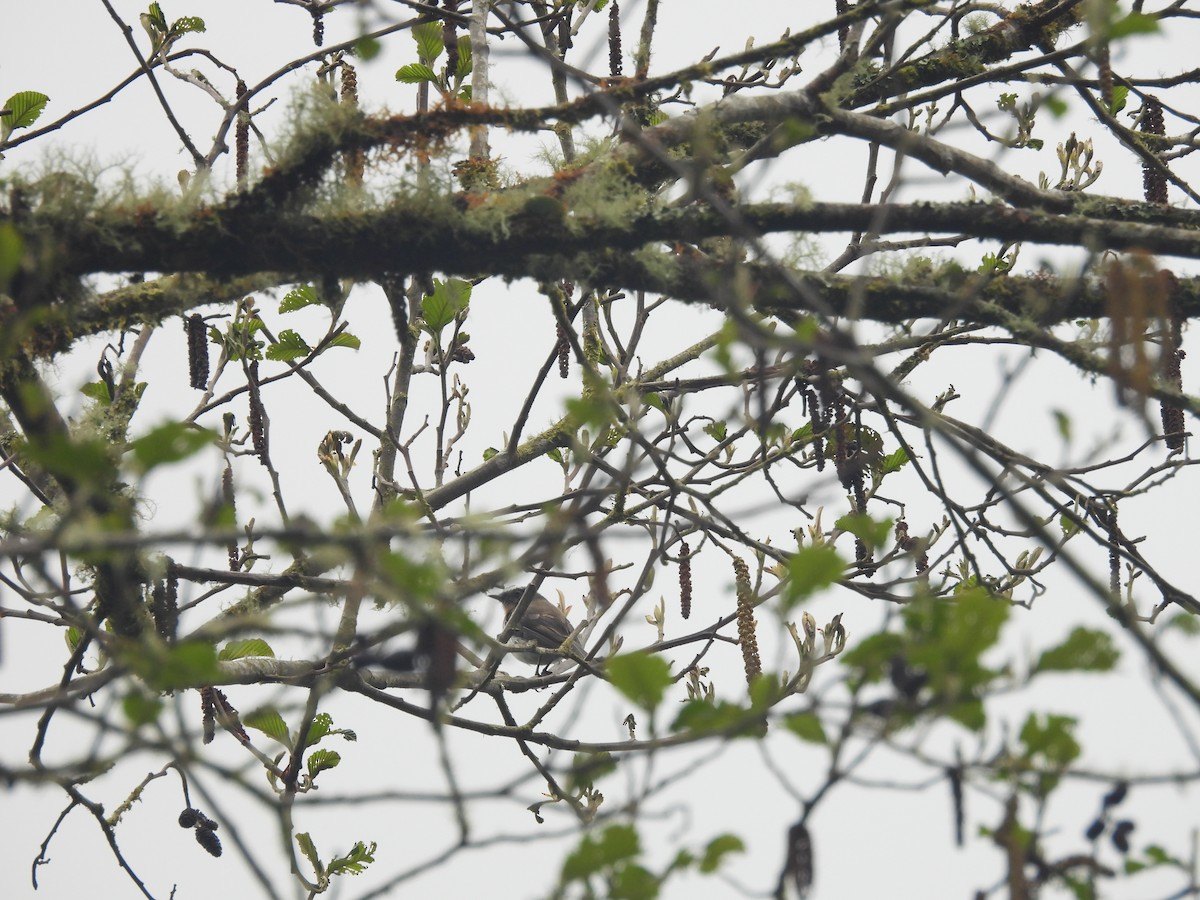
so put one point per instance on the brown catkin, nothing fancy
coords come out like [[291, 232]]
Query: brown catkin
[[747, 637], [258, 427], [197, 343], [685, 579], [349, 97], [228, 498], [1104, 66], [1114, 550], [1172, 357], [1154, 181], [563, 349], [241, 137], [208, 715], [616, 66]]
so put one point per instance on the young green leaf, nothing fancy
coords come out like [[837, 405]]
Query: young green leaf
[[641, 677]]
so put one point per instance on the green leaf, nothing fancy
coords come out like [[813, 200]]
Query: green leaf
[[615, 845], [1050, 739], [84, 459], [1134, 23], [242, 649], [309, 849], [894, 462], [430, 45], [489, 453], [809, 570], [289, 346], [169, 443], [1056, 105], [355, 862], [183, 665], [1120, 95], [806, 726], [588, 768], [157, 19], [465, 62], [723, 717], [593, 410], [345, 339], [411, 579], [716, 430], [141, 709], [299, 297], [719, 848], [633, 882], [98, 391], [871, 532], [187, 24], [448, 300], [24, 109], [641, 677], [415, 73], [1084, 650], [12, 249], [269, 722], [367, 48], [320, 760]]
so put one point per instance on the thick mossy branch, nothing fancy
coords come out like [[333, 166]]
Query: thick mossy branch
[[517, 234]]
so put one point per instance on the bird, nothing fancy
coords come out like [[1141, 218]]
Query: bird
[[542, 624]]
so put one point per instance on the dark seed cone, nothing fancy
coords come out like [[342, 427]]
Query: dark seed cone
[[615, 64], [197, 342], [685, 580]]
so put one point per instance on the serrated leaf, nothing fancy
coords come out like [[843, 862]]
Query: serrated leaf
[[241, 649], [24, 109], [309, 849], [716, 430], [449, 299], [430, 45], [895, 461], [299, 297], [289, 346], [806, 726], [355, 862], [98, 391], [187, 24], [269, 722], [1120, 95], [641, 677], [346, 339], [415, 73], [465, 62], [320, 760], [1084, 650]]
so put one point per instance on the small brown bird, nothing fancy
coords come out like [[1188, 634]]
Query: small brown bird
[[542, 624]]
